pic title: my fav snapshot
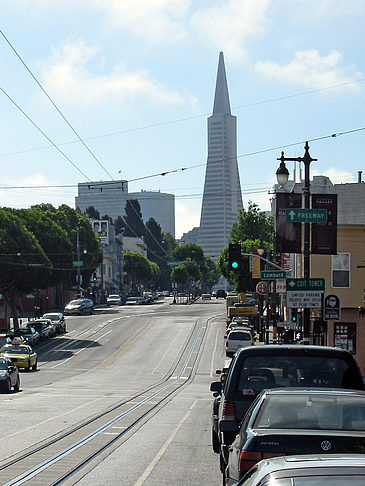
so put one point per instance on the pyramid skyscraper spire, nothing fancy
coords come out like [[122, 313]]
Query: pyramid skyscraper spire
[[222, 199]]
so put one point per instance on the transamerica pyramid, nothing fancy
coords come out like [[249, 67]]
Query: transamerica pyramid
[[222, 197]]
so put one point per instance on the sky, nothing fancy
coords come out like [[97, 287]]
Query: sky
[[121, 89]]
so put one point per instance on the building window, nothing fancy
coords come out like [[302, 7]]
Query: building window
[[341, 270]]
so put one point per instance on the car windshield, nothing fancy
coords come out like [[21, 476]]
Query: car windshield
[[113, 296], [312, 411], [53, 317], [285, 370], [3, 364], [40, 325], [75, 302], [14, 350]]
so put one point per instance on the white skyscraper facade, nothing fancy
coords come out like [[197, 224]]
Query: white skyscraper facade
[[222, 199]]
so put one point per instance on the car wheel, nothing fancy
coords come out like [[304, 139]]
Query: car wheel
[[17, 384], [8, 390], [215, 441], [222, 463], [28, 367], [34, 368]]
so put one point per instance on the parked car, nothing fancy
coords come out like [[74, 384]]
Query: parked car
[[206, 297], [79, 307], [308, 470], [255, 368], [133, 301], [217, 397], [57, 319], [44, 327], [9, 375], [21, 355], [238, 338], [29, 334], [297, 421], [113, 299]]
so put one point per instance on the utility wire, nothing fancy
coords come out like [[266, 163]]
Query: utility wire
[[54, 104], [179, 120], [43, 133]]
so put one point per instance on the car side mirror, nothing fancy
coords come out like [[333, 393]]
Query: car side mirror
[[11, 368]]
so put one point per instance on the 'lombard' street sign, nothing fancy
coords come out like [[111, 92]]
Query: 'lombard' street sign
[[272, 275], [297, 215]]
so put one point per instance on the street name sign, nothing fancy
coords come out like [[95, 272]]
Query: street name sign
[[297, 215], [173, 264], [77, 263], [273, 274], [305, 284]]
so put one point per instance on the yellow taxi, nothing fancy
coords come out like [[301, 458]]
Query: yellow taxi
[[21, 355]]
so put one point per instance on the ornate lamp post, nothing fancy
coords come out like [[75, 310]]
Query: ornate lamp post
[[282, 176]]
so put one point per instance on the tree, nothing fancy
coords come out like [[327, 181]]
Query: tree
[[134, 225], [210, 274], [180, 274], [23, 263], [119, 225], [189, 250], [253, 224], [253, 230], [138, 268], [92, 213]]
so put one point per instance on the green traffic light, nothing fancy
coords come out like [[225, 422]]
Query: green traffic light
[[234, 264]]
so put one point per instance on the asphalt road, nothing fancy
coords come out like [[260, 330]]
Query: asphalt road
[[108, 357]]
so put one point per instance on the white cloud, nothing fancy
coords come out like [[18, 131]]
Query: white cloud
[[336, 176], [310, 69], [21, 194], [69, 75], [186, 218], [226, 27], [154, 20]]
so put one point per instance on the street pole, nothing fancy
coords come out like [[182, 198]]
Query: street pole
[[78, 266], [306, 159]]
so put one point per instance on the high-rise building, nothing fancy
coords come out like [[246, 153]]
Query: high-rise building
[[110, 198], [222, 199]]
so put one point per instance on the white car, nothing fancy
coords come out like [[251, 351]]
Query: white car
[[237, 339], [113, 299]]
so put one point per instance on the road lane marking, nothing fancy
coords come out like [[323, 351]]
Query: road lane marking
[[168, 349], [50, 419], [164, 448], [117, 356]]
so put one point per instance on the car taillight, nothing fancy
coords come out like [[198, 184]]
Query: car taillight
[[229, 411], [248, 459]]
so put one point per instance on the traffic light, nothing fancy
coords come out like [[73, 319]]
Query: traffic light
[[94, 277], [294, 315], [234, 256]]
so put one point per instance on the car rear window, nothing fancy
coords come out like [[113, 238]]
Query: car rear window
[[308, 411], [239, 336], [256, 373]]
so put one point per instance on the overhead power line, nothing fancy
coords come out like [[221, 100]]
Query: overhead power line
[[54, 104]]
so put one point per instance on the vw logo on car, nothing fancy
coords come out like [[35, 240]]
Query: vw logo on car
[[326, 445]]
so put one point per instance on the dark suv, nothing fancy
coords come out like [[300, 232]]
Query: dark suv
[[256, 368]]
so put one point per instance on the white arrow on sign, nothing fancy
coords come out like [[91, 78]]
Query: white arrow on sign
[[291, 283], [292, 214]]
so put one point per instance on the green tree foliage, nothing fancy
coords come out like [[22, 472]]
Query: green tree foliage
[[189, 250], [180, 274], [119, 225], [23, 263], [253, 224], [157, 252], [92, 213], [253, 230], [134, 225], [210, 274], [53, 239], [139, 269]]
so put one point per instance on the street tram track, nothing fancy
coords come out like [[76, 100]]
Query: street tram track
[[58, 458]]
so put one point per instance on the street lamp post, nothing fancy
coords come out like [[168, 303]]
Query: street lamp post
[[282, 175]]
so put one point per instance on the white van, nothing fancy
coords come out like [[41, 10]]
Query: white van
[[238, 338]]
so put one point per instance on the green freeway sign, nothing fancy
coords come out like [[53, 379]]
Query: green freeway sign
[[295, 284], [297, 215], [273, 274], [77, 263]]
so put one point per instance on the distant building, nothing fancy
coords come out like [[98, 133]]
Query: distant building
[[190, 237], [222, 199], [110, 198]]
